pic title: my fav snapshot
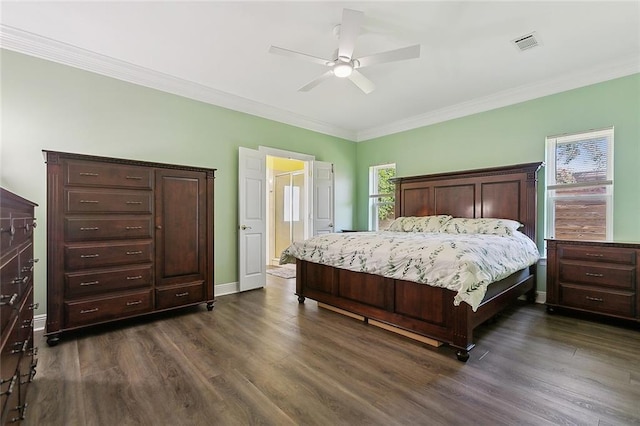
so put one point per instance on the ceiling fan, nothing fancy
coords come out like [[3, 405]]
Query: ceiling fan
[[344, 65]]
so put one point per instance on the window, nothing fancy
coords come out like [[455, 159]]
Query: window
[[580, 186], [382, 198]]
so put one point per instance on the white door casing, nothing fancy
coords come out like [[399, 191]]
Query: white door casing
[[322, 209], [252, 223]]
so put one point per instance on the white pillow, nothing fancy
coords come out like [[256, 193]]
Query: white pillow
[[490, 226], [419, 223]]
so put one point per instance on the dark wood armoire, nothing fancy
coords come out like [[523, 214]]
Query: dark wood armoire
[[125, 238]]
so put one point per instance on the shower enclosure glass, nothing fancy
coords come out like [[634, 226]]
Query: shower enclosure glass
[[289, 209]]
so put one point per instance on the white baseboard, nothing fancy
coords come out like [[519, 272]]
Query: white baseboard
[[39, 322], [228, 288], [541, 297]]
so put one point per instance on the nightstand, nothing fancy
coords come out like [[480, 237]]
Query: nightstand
[[595, 277]]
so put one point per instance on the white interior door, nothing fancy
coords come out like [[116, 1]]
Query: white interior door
[[252, 222], [322, 210]]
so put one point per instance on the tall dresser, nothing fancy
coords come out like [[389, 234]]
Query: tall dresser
[[17, 362], [594, 276], [125, 238]]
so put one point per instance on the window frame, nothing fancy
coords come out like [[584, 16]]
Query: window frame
[[374, 195], [551, 144]]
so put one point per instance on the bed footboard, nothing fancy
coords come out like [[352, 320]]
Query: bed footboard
[[418, 308]]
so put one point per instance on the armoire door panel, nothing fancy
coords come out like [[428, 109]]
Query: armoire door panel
[[180, 213]]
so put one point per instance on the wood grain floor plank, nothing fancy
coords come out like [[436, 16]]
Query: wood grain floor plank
[[262, 358]]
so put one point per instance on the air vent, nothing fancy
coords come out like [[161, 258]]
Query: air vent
[[526, 42]]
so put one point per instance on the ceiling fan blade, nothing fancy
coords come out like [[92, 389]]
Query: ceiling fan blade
[[349, 30], [410, 52], [362, 82], [315, 82], [293, 54]]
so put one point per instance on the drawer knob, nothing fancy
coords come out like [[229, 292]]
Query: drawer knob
[[89, 256], [594, 254], [89, 202], [129, 228], [137, 277], [92, 228], [134, 202], [88, 174], [590, 274], [594, 299], [135, 302], [88, 283], [9, 391], [34, 306], [186, 293], [21, 280], [89, 311], [12, 299], [134, 177], [131, 253]]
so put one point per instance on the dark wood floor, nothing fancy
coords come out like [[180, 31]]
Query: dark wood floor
[[261, 358]]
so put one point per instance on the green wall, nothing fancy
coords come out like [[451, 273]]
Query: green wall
[[55, 107], [516, 134]]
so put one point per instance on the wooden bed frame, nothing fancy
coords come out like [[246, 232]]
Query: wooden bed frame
[[502, 192]]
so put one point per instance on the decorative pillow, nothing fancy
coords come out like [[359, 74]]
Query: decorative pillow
[[419, 223], [491, 226]]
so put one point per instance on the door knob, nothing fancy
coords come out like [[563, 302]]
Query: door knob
[[245, 227]]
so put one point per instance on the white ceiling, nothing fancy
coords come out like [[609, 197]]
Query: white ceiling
[[217, 52]]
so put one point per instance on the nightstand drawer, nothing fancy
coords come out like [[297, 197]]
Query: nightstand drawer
[[593, 300], [598, 254], [598, 274]]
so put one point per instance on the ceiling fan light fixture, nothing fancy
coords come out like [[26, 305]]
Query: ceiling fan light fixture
[[342, 69]]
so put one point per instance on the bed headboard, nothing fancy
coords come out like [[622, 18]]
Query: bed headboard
[[508, 192]]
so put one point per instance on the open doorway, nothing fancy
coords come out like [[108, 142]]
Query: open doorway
[[255, 235], [287, 216]]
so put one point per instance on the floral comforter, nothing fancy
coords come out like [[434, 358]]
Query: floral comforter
[[464, 263]]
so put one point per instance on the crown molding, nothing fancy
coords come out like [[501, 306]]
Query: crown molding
[[608, 71], [45, 48]]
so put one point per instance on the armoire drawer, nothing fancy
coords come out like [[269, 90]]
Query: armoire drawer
[[171, 297], [606, 275], [92, 229], [600, 301], [97, 256], [90, 173], [93, 282], [92, 311], [110, 201]]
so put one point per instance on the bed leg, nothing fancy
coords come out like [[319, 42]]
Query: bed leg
[[463, 355], [301, 299]]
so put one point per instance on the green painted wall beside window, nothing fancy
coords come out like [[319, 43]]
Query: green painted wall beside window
[[516, 134]]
